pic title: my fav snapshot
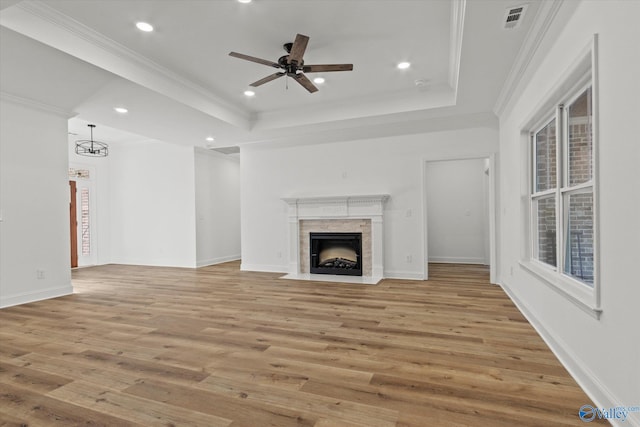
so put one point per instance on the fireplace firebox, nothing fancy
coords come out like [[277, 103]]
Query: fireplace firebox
[[336, 253]]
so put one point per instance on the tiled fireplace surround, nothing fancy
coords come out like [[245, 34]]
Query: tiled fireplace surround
[[360, 214]]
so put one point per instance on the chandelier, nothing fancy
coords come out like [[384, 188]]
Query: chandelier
[[91, 148]]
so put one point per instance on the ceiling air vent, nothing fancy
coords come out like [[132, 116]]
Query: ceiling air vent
[[513, 16]]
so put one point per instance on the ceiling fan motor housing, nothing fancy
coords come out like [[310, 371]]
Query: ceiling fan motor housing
[[283, 61]]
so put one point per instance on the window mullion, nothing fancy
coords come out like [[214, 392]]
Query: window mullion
[[560, 174]]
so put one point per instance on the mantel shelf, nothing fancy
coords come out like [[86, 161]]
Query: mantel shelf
[[373, 198]]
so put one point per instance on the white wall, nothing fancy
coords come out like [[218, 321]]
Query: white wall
[[217, 204], [217, 192], [373, 166], [34, 204], [152, 204], [457, 219], [603, 355]]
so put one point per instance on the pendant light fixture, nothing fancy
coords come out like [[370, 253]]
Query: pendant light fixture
[[91, 148]]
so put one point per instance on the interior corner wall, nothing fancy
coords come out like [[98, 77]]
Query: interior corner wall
[[34, 205], [391, 166], [152, 204], [603, 355], [217, 193]]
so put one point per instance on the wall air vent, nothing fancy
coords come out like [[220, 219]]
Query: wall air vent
[[513, 16]]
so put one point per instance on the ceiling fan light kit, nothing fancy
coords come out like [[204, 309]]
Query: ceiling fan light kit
[[292, 64]]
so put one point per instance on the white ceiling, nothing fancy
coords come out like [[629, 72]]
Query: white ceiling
[[180, 85]]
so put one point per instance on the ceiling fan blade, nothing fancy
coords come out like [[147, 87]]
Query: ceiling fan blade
[[327, 67], [298, 48], [305, 82], [254, 59], [267, 79]]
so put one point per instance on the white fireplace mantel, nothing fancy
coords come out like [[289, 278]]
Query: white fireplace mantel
[[369, 207]]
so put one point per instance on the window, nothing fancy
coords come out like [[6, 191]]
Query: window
[[544, 194], [577, 191], [560, 184], [85, 235], [79, 173], [562, 195]]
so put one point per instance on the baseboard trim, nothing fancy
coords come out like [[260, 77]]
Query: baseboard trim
[[263, 268], [602, 397], [403, 275], [458, 260], [219, 260], [40, 295]]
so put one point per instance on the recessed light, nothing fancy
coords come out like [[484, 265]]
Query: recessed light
[[404, 65], [210, 139], [121, 110], [318, 80], [249, 93], [244, 1], [143, 26]]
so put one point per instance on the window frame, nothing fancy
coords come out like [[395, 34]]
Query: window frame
[[535, 196], [582, 75]]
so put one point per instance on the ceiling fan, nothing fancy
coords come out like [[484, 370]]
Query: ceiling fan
[[292, 65]]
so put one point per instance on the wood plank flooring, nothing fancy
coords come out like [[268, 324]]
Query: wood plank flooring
[[148, 346]]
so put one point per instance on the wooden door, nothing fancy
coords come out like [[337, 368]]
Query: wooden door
[[73, 224]]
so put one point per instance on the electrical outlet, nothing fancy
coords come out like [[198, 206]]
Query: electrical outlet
[[409, 259], [40, 274]]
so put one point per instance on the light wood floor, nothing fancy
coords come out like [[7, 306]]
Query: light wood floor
[[218, 347]]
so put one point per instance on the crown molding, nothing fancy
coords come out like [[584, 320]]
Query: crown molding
[[36, 105], [536, 34], [8, 3], [128, 63], [455, 46]]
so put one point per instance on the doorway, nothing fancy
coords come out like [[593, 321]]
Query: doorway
[[459, 212]]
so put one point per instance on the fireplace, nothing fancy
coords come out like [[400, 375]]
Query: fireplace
[[336, 253], [337, 214]]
